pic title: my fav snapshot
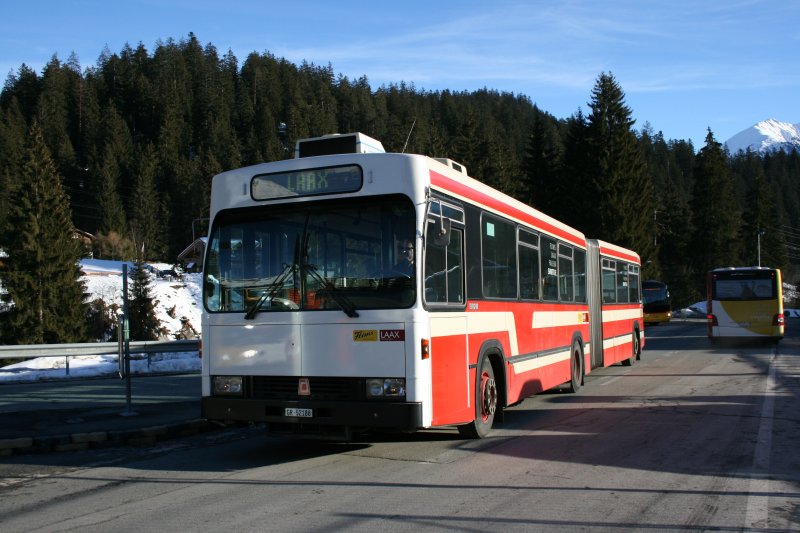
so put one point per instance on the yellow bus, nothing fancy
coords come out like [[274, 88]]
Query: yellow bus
[[745, 302], [655, 295]]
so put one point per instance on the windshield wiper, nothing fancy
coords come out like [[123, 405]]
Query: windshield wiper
[[269, 292], [273, 287], [306, 267], [344, 302]]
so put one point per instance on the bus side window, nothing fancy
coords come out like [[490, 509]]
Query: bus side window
[[455, 278], [609, 282], [549, 262], [443, 276], [622, 283], [528, 272]]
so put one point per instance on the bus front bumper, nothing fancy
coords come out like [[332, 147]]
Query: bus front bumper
[[403, 416]]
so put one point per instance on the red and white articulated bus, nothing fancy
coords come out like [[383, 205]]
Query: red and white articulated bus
[[350, 289]]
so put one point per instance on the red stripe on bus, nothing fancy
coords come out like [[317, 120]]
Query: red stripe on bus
[[461, 189], [616, 254]]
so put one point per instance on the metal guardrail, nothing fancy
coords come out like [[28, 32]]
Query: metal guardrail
[[32, 351], [23, 351]]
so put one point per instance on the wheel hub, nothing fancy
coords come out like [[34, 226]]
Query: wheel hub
[[489, 396]]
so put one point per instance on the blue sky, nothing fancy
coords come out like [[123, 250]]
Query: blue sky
[[685, 65]]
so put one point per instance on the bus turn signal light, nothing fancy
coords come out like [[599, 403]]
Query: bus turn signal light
[[425, 349]]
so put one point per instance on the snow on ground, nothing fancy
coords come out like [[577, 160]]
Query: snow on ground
[[179, 300], [179, 305]]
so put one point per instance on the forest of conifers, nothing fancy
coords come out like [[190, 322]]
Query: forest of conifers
[[136, 138]]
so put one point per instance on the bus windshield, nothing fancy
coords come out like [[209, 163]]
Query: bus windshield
[[744, 285], [312, 256], [655, 296]]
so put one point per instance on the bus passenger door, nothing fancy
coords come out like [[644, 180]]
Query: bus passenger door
[[452, 402], [443, 288]]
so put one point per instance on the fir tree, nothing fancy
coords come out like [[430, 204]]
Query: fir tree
[[760, 219], [466, 146], [541, 165], [498, 166], [149, 214], [53, 113], [673, 220], [112, 213], [623, 203], [144, 324], [12, 145], [716, 217], [41, 273], [575, 192]]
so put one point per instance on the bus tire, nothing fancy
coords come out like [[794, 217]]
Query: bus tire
[[485, 402], [634, 352], [576, 368]]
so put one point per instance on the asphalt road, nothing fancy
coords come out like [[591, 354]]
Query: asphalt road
[[695, 437]]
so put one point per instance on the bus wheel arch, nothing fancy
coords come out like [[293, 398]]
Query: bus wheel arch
[[489, 392]]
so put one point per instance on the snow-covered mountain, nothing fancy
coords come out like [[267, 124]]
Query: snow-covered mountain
[[766, 136]]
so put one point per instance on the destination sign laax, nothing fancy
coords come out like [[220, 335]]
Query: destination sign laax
[[307, 182]]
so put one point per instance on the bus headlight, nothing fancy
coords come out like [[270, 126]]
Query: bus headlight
[[227, 386], [386, 387]]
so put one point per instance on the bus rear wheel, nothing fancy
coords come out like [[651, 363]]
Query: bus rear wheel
[[485, 403], [576, 368], [635, 352]]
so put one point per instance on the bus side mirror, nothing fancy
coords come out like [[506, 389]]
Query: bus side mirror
[[441, 232]]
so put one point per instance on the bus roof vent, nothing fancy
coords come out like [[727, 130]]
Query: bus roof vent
[[452, 164], [338, 143]]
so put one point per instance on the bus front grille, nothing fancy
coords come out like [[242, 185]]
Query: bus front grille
[[322, 388]]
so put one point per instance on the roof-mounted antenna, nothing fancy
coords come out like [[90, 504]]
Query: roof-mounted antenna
[[409, 135]]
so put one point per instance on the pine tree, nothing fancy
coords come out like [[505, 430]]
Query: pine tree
[[12, 145], [53, 113], [149, 214], [112, 238], [673, 220], [760, 219], [112, 213], [498, 166], [41, 273], [144, 324], [624, 202], [541, 165], [716, 217], [574, 200], [466, 145]]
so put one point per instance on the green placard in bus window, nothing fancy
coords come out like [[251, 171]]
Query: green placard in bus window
[[307, 182]]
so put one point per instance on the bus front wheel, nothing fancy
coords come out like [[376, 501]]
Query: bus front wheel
[[485, 402]]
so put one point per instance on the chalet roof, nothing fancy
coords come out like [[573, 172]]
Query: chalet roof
[[194, 251]]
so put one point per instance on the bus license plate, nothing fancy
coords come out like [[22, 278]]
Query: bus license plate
[[302, 413]]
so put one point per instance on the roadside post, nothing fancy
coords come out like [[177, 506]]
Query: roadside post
[[121, 343], [126, 342]]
